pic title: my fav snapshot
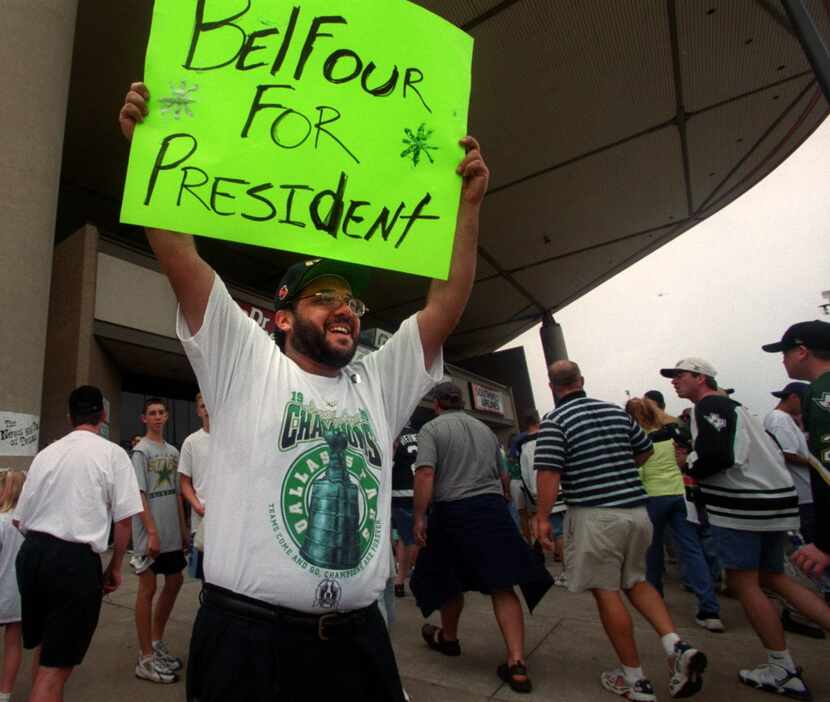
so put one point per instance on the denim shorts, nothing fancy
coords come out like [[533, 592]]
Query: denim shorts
[[403, 522], [557, 523], [750, 550]]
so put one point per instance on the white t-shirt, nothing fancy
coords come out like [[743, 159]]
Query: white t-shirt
[[10, 541], [75, 487], [529, 475], [792, 440], [193, 462], [296, 520]]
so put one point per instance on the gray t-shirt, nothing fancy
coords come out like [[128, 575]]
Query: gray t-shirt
[[465, 455], [155, 469]]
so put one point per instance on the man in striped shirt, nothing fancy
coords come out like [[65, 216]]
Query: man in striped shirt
[[752, 503], [595, 449]]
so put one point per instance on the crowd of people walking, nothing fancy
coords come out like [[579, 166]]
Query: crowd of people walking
[[305, 463]]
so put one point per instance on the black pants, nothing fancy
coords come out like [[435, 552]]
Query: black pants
[[262, 655]]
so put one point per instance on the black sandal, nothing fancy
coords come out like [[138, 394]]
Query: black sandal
[[510, 675], [434, 638]]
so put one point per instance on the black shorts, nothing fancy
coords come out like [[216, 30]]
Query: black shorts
[[257, 656], [169, 563], [61, 588]]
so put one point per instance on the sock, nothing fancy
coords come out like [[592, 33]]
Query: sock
[[632, 675], [668, 641], [155, 644], [782, 659]]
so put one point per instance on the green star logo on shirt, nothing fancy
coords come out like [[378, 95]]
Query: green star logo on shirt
[[823, 401], [165, 474]]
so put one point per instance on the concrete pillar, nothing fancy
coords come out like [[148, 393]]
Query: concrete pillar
[[36, 40], [553, 340]]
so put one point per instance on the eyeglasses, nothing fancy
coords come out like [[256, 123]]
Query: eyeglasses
[[329, 298]]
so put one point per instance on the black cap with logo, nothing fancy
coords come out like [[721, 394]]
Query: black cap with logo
[[813, 335], [301, 274]]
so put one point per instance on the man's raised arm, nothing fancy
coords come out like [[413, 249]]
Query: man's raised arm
[[189, 275], [446, 300]]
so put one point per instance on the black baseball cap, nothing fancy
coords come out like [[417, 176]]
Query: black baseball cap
[[86, 399], [813, 335], [298, 276], [799, 389]]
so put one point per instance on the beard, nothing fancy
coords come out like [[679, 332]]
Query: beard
[[310, 341]]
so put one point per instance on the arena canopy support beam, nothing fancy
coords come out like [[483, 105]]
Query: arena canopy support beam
[[553, 340], [811, 42]]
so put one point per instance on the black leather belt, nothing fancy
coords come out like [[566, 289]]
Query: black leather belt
[[332, 625]]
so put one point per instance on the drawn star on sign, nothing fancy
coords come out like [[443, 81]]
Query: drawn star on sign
[[179, 100], [417, 144], [165, 476]]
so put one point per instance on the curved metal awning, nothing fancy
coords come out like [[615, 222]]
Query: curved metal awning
[[610, 128]]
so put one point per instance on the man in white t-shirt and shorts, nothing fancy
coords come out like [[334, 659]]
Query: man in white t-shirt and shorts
[[75, 488], [300, 464], [193, 471], [159, 538]]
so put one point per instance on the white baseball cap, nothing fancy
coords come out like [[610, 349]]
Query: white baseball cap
[[692, 365]]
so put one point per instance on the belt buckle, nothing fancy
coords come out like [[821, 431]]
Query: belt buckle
[[321, 624]]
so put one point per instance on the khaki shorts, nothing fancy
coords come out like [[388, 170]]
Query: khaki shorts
[[605, 547]]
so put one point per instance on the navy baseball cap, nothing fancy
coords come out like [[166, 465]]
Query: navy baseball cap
[[799, 389], [813, 335], [301, 274]]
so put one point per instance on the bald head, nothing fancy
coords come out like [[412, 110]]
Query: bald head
[[565, 377]]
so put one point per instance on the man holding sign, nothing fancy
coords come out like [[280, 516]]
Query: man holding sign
[[300, 466]]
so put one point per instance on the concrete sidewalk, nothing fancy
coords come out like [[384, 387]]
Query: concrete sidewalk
[[566, 651]]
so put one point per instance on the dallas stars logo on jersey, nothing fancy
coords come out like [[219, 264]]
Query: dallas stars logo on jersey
[[326, 519], [718, 422], [823, 401]]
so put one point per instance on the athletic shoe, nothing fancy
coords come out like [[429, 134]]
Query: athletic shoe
[[561, 580], [640, 691], [792, 622], [162, 655], [774, 678], [141, 563], [146, 669], [686, 665], [710, 622]]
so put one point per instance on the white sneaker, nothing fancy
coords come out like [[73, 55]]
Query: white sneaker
[[774, 678], [147, 669], [561, 580], [141, 563], [162, 655], [640, 691], [710, 623], [686, 665]]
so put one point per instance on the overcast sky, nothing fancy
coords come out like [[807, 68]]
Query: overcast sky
[[719, 291]]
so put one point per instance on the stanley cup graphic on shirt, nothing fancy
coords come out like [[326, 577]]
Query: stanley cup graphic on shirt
[[334, 513]]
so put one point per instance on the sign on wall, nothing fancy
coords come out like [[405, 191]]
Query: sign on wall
[[19, 434], [325, 127], [486, 399]]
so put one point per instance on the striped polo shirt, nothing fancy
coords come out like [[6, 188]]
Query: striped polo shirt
[[593, 444]]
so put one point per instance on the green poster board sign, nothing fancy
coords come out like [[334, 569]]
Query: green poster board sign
[[324, 127]]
